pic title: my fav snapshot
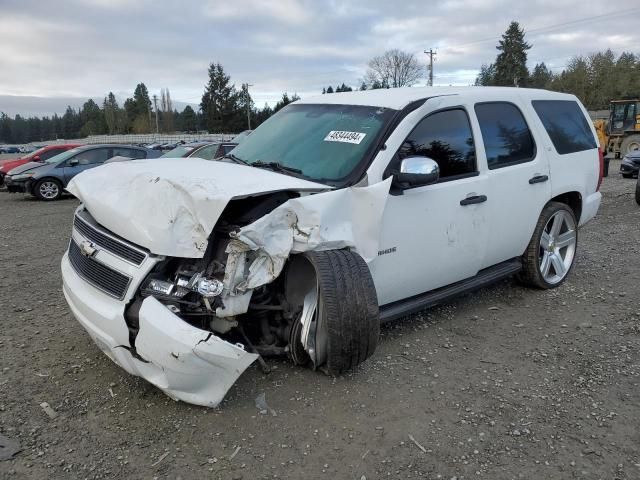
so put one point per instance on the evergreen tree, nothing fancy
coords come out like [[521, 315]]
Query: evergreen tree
[[486, 76], [219, 102], [363, 87], [541, 76], [511, 62], [111, 112], [329, 90], [188, 119]]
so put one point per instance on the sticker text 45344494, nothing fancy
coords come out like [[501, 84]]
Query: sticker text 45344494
[[344, 137]]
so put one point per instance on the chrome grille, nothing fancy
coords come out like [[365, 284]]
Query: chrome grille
[[117, 247], [104, 278]]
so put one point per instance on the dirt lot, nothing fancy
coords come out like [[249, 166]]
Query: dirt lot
[[505, 383]]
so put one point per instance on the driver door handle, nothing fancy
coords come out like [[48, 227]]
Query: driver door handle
[[474, 199], [538, 179]]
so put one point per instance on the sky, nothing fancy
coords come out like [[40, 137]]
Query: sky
[[54, 53]]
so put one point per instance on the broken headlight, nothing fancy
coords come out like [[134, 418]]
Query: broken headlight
[[164, 288]]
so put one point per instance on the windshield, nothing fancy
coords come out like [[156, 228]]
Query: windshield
[[177, 152], [32, 154], [63, 156], [325, 142]]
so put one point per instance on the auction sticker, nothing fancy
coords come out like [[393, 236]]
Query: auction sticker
[[344, 137]]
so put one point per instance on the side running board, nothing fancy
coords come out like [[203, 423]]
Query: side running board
[[485, 277]]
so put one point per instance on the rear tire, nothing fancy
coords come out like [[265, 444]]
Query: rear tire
[[630, 144], [48, 189], [550, 255], [347, 306]]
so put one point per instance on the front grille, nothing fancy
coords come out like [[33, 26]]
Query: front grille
[[111, 244], [99, 275]]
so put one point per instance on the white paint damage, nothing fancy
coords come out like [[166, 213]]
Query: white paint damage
[[347, 218], [155, 204], [173, 215], [185, 362]]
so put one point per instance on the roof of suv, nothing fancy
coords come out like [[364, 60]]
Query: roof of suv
[[398, 98]]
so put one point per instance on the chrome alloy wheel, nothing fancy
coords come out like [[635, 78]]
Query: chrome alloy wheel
[[557, 247], [49, 190]]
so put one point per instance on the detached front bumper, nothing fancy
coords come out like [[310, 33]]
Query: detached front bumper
[[185, 362]]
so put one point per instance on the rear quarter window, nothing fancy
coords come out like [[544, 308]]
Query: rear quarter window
[[566, 125]]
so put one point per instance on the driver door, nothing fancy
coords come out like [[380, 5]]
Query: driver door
[[434, 235]]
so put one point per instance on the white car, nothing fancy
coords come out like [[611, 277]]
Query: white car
[[340, 212]]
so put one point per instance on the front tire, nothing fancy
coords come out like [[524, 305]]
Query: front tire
[[638, 191], [550, 254], [48, 190], [346, 310]]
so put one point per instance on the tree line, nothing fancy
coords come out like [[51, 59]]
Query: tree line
[[595, 79]]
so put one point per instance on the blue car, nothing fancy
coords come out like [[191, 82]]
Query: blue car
[[47, 181]]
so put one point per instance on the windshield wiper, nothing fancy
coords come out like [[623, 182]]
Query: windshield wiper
[[236, 159], [276, 167]]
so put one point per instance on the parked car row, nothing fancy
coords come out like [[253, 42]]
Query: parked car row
[[46, 172]]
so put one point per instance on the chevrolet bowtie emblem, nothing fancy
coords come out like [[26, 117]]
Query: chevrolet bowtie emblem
[[87, 249]]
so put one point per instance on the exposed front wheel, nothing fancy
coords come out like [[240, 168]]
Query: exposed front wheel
[[48, 189], [552, 249], [337, 325]]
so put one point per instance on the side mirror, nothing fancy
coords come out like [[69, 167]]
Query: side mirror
[[36, 158], [416, 172], [73, 162]]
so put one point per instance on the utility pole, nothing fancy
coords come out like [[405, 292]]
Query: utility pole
[[155, 105], [248, 100], [432, 55]]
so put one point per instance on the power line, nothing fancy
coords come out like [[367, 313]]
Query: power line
[[539, 30]]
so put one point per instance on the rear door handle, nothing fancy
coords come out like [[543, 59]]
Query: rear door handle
[[474, 199], [538, 179]]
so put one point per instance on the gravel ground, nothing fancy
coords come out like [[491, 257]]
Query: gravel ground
[[504, 383]]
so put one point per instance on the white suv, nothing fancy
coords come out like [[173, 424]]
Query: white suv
[[340, 212]]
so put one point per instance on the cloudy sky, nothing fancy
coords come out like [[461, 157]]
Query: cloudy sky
[[70, 50]]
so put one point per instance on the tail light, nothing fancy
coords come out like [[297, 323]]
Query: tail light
[[601, 172]]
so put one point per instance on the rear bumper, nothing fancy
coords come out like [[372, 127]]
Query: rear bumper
[[590, 206], [185, 362]]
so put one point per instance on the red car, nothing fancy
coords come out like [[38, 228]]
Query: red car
[[41, 155]]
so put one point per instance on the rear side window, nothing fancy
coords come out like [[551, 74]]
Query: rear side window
[[506, 136], [50, 153], [90, 157], [446, 138], [565, 123]]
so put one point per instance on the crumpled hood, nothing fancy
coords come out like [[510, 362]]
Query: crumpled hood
[[26, 167], [170, 206]]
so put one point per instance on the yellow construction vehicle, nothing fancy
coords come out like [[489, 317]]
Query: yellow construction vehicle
[[621, 132]]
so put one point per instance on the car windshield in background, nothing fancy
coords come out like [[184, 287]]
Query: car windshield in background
[[32, 154], [177, 152], [324, 142], [63, 156]]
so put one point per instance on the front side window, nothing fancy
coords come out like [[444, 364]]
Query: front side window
[[506, 136], [90, 157], [446, 138], [326, 142], [566, 125]]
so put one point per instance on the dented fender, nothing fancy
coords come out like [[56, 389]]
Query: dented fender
[[346, 218]]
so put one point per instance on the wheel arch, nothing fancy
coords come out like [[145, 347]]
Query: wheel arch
[[35, 182], [573, 200]]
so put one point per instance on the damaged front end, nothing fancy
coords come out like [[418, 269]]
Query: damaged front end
[[192, 324]]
